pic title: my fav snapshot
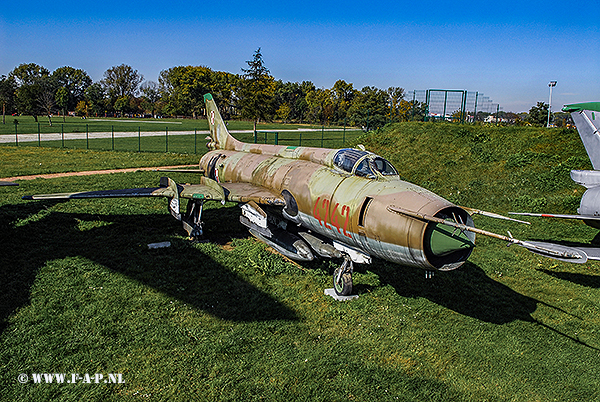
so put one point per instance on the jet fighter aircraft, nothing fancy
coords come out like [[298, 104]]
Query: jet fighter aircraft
[[348, 204], [586, 117]]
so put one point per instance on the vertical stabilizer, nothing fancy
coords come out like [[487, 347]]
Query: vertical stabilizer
[[586, 117], [220, 137]]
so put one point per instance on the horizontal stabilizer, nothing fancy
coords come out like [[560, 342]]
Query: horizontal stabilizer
[[556, 251]]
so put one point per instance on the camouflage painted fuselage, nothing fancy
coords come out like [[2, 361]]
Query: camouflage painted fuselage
[[341, 205]]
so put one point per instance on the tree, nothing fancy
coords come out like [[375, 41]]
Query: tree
[[27, 78], [7, 95], [343, 94], [121, 82], [283, 112], [369, 108], [257, 90], [81, 109], [46, 97], [152, 95], [74, 81], [95, 97], [184, 89], [538, 115], [225, 85], [396, 96], [62, 100], [562, 119], [412, 110], [292, 96], [320, 105], [122, 105]]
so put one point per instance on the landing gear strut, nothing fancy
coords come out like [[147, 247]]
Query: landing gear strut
[[192, 220], [342, 277]]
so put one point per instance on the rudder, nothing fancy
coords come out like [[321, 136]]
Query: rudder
[[220, 137]]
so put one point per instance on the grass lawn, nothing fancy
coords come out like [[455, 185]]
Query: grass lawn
[[80, 292], [27, 125]]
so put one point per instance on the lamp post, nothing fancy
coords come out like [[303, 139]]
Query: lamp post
[[551, 84]]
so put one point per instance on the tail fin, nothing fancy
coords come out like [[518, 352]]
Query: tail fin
[[220, 137], [587, 119]]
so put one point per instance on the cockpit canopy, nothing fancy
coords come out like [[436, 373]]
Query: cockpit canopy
[[363, 163]]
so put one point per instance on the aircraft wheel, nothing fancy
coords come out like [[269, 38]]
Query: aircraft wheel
[[342, 280]]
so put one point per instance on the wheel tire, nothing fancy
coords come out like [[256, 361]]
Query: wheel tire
[[344, 287]]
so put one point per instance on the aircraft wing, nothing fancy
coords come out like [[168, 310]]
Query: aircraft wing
[[207, 189], [561, 216], [246, 192]]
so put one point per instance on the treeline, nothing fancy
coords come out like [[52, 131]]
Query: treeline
[[31, 89]]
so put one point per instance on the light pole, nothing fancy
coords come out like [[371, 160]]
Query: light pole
[[551, 84]]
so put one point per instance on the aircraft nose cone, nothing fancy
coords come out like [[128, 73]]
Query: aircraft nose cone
[[445, 240]]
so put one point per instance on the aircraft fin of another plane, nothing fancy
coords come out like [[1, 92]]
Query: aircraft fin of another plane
[[586, 117], [220, 137]]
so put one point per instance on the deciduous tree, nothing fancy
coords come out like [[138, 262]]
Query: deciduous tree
[[27, 78], [7, 96], [538, 114], [75, 81], [152, 95], [121, 82], [95, 97]]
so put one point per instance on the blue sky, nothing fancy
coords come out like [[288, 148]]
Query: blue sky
[[509, 50]]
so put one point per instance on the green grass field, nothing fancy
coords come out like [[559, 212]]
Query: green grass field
[[229, 320], [29, 133], [27, 125]]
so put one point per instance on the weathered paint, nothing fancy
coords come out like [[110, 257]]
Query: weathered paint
[[339, 205], [350, 199]]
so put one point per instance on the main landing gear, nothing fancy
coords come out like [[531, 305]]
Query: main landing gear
[[342, 277]]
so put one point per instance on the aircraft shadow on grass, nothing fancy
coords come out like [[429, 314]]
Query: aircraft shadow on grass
[[179, 271], [194, 278], [590, 281], [467, 291]]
